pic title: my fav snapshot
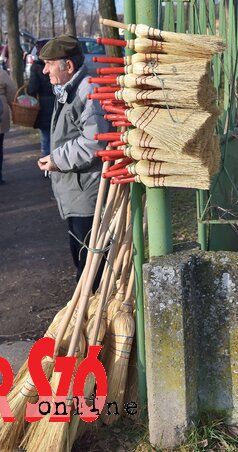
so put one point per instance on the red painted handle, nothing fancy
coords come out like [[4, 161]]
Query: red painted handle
[[112, 42], [101, 96], [121, 124], [119, 172], [115, 144], [107, 136], [110, 70], [124, 180], [108, 60], [122, 164], [106, 89], [103, 80], [113, 109], [110, 153], [115, 117]]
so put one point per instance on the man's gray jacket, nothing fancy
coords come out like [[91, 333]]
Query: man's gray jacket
[[75, 121]]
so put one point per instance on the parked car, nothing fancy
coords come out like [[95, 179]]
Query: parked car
[[90, 47], [26, 41]]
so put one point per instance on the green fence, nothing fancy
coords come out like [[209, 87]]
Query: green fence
[[218, 208]]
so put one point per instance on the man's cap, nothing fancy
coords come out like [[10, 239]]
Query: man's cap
[[63, 46]]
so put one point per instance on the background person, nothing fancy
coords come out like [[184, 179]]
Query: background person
[[76, 119], [7, 94], [40, 87]]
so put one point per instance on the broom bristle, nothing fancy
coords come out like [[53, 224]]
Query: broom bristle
[[122, 333], [191, 181], [46, 435], [187, 131], [159, 57], [23, 392], [198, 99]]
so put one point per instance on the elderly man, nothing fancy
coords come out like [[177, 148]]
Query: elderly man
[[75, 171]]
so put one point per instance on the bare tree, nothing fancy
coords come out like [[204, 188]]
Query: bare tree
[[107, 10], [14, 48], [69, 9], [52, 17], [38, 18]]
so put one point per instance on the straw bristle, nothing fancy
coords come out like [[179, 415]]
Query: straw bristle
[[200, 66], [144, 45], [101, 332], [189, 181], [122, 333], [46, 435], [160, 57], [181, 130], [23, 392], [92, 305], [202, 98]]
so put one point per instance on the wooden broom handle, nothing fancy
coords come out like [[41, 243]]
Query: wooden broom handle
[[86, 291], [75, 298], [111, 258], [114, 23]]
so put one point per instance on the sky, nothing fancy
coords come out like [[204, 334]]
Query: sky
[[119, 6]]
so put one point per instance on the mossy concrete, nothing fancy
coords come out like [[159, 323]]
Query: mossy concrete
[[191, 332]]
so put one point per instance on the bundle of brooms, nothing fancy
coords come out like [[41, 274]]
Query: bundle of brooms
[[167, 93], [68, 325]]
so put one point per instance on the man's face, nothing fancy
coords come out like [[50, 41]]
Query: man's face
[[57, 75]]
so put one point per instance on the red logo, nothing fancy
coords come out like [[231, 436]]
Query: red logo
[[70, 371]]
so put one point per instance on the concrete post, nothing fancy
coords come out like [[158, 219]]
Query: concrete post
[[191, 310]]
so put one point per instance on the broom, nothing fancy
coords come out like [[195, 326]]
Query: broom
[[191, 96], [166, 181], [75, 427], [197, 66], [210, 42], [174, 82], [122, 333], [148, 168], [143, 45], [144, 57], [42, 434], [24, 389], [184, 131]]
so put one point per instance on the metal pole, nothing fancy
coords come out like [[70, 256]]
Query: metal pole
[[138, 242], [158, 199]]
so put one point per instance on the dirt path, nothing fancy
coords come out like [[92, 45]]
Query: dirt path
[[37, 275]]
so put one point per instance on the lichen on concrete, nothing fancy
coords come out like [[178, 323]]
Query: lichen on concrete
[[191, 312]]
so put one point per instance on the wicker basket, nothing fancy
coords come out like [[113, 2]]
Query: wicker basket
[[23, 115]]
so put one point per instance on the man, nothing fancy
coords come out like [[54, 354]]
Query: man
[[75, 171]]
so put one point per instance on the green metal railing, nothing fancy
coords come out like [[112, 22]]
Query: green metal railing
[[214, 17], [186, 16]]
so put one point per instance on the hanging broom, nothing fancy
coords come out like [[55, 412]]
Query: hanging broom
[[182, 130], [197, 66], [144, 45], [142, 57], [213, 44], [165, 181]]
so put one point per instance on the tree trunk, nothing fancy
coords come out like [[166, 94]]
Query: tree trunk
[[38, 18], [69, 9], [14, 48], [107, 10], [52, 18]]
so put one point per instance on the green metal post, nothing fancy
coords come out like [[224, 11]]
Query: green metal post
[[158, 199], [138, 243]]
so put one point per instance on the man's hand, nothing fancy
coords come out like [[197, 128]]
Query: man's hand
[[45, 164]]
